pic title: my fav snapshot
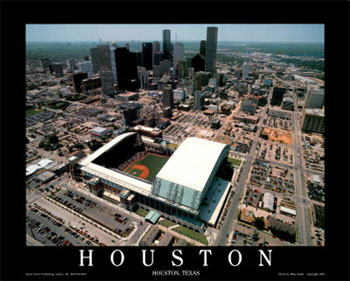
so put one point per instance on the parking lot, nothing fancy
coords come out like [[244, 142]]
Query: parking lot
[[275, 152], [119, 222], [272, 177], [278, 123], [51, 231], [244, 236]]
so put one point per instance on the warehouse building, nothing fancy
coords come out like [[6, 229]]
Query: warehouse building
[[100, 132]]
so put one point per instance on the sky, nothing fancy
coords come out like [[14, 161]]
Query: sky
[[181, 32]]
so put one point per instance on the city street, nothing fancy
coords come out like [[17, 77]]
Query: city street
[[224, 233], [303, 212]]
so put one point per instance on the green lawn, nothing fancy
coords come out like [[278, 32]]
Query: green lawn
[[234, 161], [31, 112], [166, 223], [153, 162], [141, 212], [191, 234]]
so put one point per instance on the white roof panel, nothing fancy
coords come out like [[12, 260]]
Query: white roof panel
[[32, 169], [98, 129], [43, 163], [316, 178], [268, 200], [288, 210], [192, 163]]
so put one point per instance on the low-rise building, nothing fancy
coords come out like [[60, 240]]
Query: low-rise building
[[100, 132], [127, 96]]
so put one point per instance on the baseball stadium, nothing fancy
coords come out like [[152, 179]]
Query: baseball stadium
[[189, 185]]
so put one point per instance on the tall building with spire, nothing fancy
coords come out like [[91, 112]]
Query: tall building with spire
[[210, 52]]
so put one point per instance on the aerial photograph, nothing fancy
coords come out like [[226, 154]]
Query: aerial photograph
[[175, 135]]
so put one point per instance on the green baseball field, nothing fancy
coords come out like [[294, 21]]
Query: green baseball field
[[147, 167]]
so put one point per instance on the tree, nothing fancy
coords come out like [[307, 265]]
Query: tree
[[53, 139], [256, 236], [259, 223], [79, 146]]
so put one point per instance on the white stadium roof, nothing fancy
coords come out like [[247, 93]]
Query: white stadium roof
[[192, 163]]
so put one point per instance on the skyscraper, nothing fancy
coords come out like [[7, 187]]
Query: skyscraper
[[202, 48], [147, 55], [312, 120], [114, 69], [125, 62], [166, 43], [71, 65], [181, 67], [198, 63], [314, 98], [210, 52], [130, 114], [57, 68], [157, 57], [156, 47], [95, 60], [178, 53], [77, 78], [246, 69], [45, 64], [85, 66], [101, 62], [143, 77], [168, 97], [198, 99]]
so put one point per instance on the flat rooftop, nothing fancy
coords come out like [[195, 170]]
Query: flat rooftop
[[315, 111], [192, 163]]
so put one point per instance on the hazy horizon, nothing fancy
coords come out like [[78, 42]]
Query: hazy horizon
[[97, 41], [239, 33]]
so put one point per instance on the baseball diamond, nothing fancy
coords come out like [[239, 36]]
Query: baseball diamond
[[147, 167]]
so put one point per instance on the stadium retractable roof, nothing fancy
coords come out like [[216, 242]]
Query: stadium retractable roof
[[192, 163], [105, 148]]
